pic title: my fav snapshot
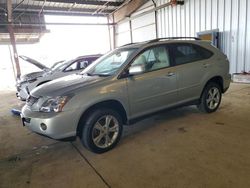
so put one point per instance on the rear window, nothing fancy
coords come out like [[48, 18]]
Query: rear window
[[206, 54], [186, 53]]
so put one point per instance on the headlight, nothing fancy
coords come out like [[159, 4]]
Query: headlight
[[54, 104]]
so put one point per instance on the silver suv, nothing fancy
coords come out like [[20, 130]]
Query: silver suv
[[132, 81]]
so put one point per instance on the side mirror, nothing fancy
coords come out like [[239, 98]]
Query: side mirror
[[137, 69]]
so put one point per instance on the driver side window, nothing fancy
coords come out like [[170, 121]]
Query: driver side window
[[72, 67], [153, 59]]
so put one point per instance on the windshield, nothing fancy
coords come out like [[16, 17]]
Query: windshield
[[56, 65], [60, 66], [109, 64]]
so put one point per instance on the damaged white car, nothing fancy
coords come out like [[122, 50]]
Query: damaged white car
[[29, 81]]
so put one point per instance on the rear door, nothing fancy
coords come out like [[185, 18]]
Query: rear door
[[156, 88], [192, 64]]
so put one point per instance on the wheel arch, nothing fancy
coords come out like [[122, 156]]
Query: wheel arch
[[215, 79], [111, 104]]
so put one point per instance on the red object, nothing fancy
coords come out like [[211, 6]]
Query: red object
[[173, 2]]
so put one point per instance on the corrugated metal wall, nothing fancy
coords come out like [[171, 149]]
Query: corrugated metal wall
[[231, 17]]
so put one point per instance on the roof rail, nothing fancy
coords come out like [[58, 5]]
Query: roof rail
[[128, 44], [173, 38]]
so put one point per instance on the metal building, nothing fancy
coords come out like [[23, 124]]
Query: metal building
[[230, 17]]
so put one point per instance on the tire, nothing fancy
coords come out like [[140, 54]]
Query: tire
[[211, 98], [98, 135]]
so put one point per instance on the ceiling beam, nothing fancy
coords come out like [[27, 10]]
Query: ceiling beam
[[9, 11], [55, 23], [127, 9], [18, 30], [86, 2], [18, 5], [62, 10], [68, 13], [12, 37]]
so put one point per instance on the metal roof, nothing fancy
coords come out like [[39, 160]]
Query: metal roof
[[28, 15], [64, 7]]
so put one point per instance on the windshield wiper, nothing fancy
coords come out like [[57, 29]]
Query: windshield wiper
[[103, 75]]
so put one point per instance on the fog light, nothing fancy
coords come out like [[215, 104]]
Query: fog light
[[43, 126]]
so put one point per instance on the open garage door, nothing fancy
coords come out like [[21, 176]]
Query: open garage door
[[137, 28]]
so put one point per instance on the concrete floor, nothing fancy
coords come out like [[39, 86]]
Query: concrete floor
[[179, 148]]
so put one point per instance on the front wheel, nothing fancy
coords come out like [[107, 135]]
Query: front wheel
[[210, 98], [102, 130]]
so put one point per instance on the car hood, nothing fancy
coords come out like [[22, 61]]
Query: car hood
[[33, 62], [31, 76], [65, 85]]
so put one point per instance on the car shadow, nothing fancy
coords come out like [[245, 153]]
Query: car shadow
[[155, 120]]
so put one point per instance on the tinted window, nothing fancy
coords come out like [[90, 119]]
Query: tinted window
[[204, 52], [153, 59], [185, 53]]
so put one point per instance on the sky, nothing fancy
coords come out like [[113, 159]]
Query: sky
[[62, 42]]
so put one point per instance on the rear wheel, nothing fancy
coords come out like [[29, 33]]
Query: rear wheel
[[102, 130], [210, 98]]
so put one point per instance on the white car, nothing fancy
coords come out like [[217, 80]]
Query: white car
[[63, 68]]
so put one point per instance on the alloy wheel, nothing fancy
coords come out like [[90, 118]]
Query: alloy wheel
[[105, 131], [213, 98]]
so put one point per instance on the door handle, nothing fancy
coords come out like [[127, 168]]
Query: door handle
[[170, 74]]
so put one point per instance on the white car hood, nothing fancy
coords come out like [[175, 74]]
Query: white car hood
[[64, 85]]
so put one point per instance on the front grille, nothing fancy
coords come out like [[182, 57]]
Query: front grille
[[31, 100]]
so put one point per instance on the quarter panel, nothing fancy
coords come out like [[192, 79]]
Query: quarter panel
[[191, 78]]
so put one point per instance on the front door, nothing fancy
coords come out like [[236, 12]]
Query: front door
[[156, 87]]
